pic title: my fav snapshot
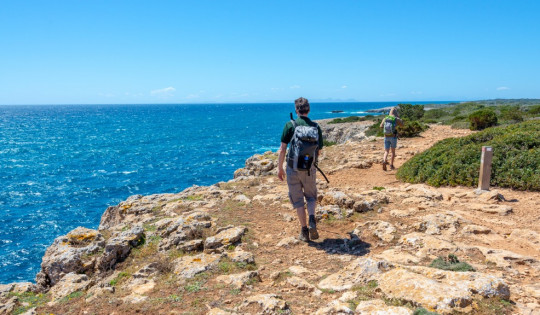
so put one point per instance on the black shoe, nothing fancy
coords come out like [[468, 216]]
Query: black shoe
[[313, 234], [304, 234]]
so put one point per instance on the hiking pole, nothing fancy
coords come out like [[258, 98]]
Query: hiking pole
[[317, 167]]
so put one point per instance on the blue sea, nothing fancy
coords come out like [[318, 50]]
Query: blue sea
[[61, 166]]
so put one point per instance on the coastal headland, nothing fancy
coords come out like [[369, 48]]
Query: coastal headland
[[386, 247]]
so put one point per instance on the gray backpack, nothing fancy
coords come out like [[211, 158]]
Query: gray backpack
[[303, 147], [390, 126]]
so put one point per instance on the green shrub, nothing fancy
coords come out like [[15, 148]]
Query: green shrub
[[423, 311], [375, 129], [456, 161], [534, 111], [434, 113], [410, 112], [511, 114], [482, 119], [327, 143], [451, 263], [411, 129]]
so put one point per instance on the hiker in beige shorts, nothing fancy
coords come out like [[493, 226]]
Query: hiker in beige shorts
[[301, 166]]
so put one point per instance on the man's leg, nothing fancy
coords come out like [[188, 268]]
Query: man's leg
[[386, 149], [393, 157], [301, 212], [296, 196], [310, 192]]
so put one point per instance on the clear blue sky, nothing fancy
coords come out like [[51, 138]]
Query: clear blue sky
[[95, 52]]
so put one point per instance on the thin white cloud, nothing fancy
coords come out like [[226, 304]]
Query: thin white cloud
[[416, 92], [295, 87], [503, 88], [344, 87], [166, 90], [387, 94]]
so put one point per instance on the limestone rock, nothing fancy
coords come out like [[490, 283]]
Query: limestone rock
[[341, 133], [525, 237], [298, 270], [184, 229], [403, 213], [9, 306], [491, 196], [378, 307], [142, 286], [241, 256], [217, 311], [505, 258], [475, 229], [288, 242], [75, 252], [440, 290], [133, 210], [189, 266], [119, 247], [358, 272], [325, 212], [242, 198], [300, 284], [426, 244], [259, 165], [335, 307], [435, 224], [399, 256], [224, 238], [423, 191], [269, 303], [238, 281], [68, 284], [381, 229], [490, 208]]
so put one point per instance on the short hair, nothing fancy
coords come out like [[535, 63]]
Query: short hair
[[393, 112], [301, 105]]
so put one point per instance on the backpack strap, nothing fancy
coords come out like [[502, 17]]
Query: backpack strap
[[293, 122]]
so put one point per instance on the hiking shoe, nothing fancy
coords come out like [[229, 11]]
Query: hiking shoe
[[384, 166], [304, 234], [313, 234], [392, 167]]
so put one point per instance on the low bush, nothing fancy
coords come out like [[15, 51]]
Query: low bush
[[435, 113], [482, 119], [511, 114], [411, 129], [534, 111], [410, 112], [451, 263], [456, 161], [328, 143], [375, 129]]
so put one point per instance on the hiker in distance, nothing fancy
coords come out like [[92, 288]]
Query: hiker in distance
[[390, 136], [306, 141]]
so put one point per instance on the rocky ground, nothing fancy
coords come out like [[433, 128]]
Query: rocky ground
[[232, 248]]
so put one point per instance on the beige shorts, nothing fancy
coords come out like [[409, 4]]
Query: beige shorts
[[302, 186]]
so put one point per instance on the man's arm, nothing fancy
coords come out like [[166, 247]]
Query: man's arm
[[382, 123], [400, 122], [282, 150]]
